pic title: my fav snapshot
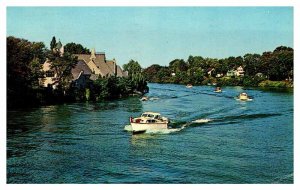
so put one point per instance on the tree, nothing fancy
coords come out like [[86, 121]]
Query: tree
[[74, 48], [150, 72], [62, 66], [24, 63], [280, 63], [133, 67], [178, 65], [53, 43], [252, 64]]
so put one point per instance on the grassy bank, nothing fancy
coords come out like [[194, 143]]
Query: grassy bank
[[276, 84]]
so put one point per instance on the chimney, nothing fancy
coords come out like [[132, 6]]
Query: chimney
[[93, 56]]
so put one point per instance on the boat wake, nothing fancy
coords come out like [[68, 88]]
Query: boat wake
[[128, 128], [163, 131], [202, 121], [182, 126]]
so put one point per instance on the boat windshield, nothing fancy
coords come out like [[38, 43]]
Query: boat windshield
[[147, 115]]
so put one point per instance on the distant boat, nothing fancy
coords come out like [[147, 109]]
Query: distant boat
[[244, 97], [218, 89], [148, 121], [144, 98], [189, 86]]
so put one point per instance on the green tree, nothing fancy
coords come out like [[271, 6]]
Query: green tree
[[280, 63], [53, 43], [62, 66], [252, 64], [74, 48], [178, 65], [24, 63], [133, 67], [150, 73]]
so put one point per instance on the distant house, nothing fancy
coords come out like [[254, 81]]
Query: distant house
[[239, 71], [173, 74], [50, 78], [219, 75], [210, 71]]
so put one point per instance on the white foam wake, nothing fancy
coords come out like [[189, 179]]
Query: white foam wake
[[163, 131], [128, 128], [202, 121]]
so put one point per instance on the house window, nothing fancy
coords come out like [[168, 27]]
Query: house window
[[49, 74]]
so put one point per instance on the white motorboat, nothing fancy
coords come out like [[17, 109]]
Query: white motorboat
[[218, 89], [144, 98], [244, 97], [189, 86], [148, 121]]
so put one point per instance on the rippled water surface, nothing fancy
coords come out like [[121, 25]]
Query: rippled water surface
[[223, 140]]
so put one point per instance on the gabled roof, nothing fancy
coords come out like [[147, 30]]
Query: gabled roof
[[84, 57], [58, 45], [80, 68], [106, 67]]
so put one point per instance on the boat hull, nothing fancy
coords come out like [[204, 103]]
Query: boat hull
[[143, 127]]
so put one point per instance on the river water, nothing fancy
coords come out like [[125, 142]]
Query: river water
[[218, 139]]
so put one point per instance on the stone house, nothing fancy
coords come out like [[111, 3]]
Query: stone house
[[89, 67]]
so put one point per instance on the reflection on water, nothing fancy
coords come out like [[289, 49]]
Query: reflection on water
[[215, 139]]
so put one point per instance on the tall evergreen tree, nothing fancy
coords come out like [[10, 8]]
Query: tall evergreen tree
[[53, 43]]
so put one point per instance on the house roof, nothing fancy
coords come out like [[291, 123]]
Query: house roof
[[84, 57], [58, 45], [80, 68], [106, 67]]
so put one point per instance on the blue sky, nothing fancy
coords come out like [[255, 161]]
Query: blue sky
[[157, 35]]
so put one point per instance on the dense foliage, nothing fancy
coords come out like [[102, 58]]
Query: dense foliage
[[274, 66], [24, 63], [133, 67], [74, 48]]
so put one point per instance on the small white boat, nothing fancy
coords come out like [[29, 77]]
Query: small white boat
[[218, 89], [144, 98], [189, 86], [148, 121], [244, 97]]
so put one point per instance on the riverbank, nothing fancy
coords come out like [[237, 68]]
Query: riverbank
[[102, 89], [229, 81]]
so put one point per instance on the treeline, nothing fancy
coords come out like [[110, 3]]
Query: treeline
[[273, 66], [25, 61]]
